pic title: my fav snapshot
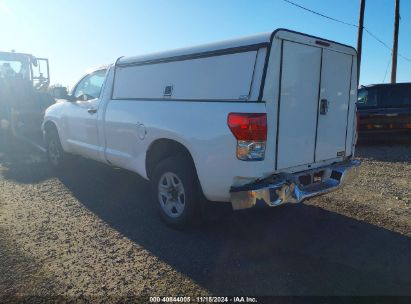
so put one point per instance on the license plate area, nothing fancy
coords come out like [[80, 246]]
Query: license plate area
[[318, 177], [311, 178]]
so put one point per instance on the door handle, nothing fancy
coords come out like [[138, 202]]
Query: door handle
[[324, 106], [92, 111]]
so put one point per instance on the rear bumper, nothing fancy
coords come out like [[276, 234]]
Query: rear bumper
[[287, 188]]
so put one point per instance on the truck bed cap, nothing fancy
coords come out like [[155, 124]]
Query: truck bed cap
[[255, 41]]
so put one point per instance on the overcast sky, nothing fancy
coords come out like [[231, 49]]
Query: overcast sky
[[80, 34]]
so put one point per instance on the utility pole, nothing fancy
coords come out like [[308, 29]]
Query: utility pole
[[395, 43], [359, 38]]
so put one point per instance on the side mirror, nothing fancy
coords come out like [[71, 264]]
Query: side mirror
[[85, 97], [59, 93], [34, 61]]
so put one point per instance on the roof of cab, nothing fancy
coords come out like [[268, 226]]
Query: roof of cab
[[11, 55], [255, 41], [384, 85]]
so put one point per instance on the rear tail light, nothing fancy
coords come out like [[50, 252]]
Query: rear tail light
[[248, 126], [250, 130]]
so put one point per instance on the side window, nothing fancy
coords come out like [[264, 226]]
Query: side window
[[367, 98], [90, 85], [362, 97]]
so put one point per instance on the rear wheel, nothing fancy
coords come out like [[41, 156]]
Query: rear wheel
[[55, 153], [175, 191]]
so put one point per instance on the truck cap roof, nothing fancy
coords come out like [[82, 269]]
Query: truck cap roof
[[243, 44], [255, 41]]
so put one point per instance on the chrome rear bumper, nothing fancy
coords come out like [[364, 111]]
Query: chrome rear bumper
[[288, 188]]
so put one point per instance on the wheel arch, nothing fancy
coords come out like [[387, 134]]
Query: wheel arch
[[163, 148], [49, 125]]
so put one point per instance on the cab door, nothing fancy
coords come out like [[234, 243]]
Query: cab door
[[82, 117]]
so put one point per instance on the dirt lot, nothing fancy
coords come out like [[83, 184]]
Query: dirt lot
[[92, 231]]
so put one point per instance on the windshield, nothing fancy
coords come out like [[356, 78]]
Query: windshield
[[14, 68]]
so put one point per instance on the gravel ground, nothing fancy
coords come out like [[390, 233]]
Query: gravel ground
[[92, 232], [381, 195]]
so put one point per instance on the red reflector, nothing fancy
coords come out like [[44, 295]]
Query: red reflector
[[248, 126]]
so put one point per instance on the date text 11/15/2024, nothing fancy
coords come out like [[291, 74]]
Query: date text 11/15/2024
[[209, 299]]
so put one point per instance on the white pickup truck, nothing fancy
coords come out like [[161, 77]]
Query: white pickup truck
[[257, 121]]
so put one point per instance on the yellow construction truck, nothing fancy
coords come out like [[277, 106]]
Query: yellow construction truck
[[24, 82]]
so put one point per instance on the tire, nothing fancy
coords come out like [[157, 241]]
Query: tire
[[56, 156], [175, 190]]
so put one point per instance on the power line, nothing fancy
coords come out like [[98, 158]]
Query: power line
[[384, 44], [346, 23], [319, 14], [378, 39], [405, 58], [386, 70]]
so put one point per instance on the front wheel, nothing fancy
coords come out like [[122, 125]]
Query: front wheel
[[55, 153], [176, 192]]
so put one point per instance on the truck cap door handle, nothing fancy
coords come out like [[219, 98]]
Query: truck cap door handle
[[323, 106], [92, 111]]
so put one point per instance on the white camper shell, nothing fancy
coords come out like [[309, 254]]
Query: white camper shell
[[301, 88], [308, 85]]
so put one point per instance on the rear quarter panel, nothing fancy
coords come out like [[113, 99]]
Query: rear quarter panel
[[200, 126]]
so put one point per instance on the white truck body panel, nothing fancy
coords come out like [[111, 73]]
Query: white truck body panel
[[208, 145], [300, 79], [225, 77], [309, 75], [82, 131], [279, 74], [335, 88]]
